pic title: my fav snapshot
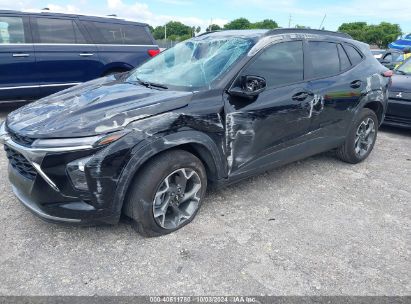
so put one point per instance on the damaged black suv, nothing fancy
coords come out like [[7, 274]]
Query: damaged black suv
[[212, 110]]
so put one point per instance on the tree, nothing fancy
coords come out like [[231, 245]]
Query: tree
[[158, 32], [354, 29], [381, 34], [265, 24], [213, 27], [238, 24], [178, 29]]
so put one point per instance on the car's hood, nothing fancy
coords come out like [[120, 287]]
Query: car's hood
[[401, 83], [96, 107]]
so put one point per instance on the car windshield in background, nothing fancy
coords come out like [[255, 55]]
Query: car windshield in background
[[405, 68], [192, 64]]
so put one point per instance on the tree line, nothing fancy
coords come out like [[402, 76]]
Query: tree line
[[380, 35]]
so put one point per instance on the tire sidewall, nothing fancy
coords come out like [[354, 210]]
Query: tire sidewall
[[142, 207], [364, 114]]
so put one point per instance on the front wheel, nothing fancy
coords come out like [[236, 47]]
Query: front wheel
[[167, 193], [361, 138]]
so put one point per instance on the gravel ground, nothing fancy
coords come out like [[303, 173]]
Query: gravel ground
[[315, 227]]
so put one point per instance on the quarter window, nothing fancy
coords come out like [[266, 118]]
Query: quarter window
[[344, 61], [59, 31], [354, 55], [280, 64], [324, 58], [11, 30], [115, 33]]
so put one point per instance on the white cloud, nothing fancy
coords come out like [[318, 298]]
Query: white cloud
[[141, 12]]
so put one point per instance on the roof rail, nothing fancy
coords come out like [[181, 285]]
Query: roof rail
[[307, 31]]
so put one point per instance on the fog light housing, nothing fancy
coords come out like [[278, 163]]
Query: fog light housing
[[76, 172]]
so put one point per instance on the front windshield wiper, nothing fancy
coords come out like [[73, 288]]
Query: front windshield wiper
[[150, 85], [400, 72]]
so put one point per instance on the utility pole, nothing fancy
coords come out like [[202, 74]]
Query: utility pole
[[165, 31], [289, 21], [322, 22]]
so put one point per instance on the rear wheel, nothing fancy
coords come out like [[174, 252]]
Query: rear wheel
[[361, 138], [167, 193]]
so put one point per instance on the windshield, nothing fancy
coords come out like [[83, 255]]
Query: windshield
[[194, 63], [404, 68]]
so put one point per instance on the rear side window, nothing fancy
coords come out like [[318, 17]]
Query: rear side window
[[280, 64], [354, 55], [12, 30], [324, 58], [344, 61], [114, 33], [64, 31]]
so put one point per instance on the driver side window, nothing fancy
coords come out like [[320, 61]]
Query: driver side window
[[279, 64]]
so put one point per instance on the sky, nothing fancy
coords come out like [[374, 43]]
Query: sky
[[201, 13]]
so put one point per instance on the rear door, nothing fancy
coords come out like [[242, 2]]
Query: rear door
[[336, 84], [121, 45], [18, 79], [64, 55]]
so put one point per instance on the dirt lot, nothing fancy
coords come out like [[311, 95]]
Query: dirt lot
[[315, 227]]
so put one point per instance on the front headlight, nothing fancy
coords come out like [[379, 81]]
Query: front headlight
[[79, 143], [76, 172]]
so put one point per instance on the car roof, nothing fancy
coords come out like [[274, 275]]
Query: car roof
[[279, 31], [82, 17]]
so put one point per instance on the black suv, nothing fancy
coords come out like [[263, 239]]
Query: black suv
[[212, 110]]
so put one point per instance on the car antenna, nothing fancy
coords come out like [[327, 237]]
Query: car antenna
[[45, 9]]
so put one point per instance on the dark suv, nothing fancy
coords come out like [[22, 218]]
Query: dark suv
[[43, 53], [212, 110]]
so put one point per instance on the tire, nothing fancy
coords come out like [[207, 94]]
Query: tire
[[148, 193], [348, 152]]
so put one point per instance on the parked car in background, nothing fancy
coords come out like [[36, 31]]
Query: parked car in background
[[377, 53], [43, 53], [391, 58], [214, 109], [399, 102]]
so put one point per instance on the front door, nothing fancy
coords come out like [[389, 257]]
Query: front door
[[278, 118], [18, 79]]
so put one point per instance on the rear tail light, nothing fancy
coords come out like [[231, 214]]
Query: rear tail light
[[388, 73], [153, 52]]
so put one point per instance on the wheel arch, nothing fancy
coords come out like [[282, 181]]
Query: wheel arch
[[116, 66], [197, 143], [377, 107]]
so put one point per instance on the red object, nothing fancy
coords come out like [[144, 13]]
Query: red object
[[154, 52], [388, 73]]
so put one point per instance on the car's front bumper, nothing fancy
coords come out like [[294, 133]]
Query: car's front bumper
[[48, 192]]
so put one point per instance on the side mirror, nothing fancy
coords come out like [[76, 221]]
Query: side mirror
[[251, 86]]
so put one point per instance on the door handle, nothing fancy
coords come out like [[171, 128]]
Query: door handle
[[20, 55], [356, 84], [301, 96], [86, 54]]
